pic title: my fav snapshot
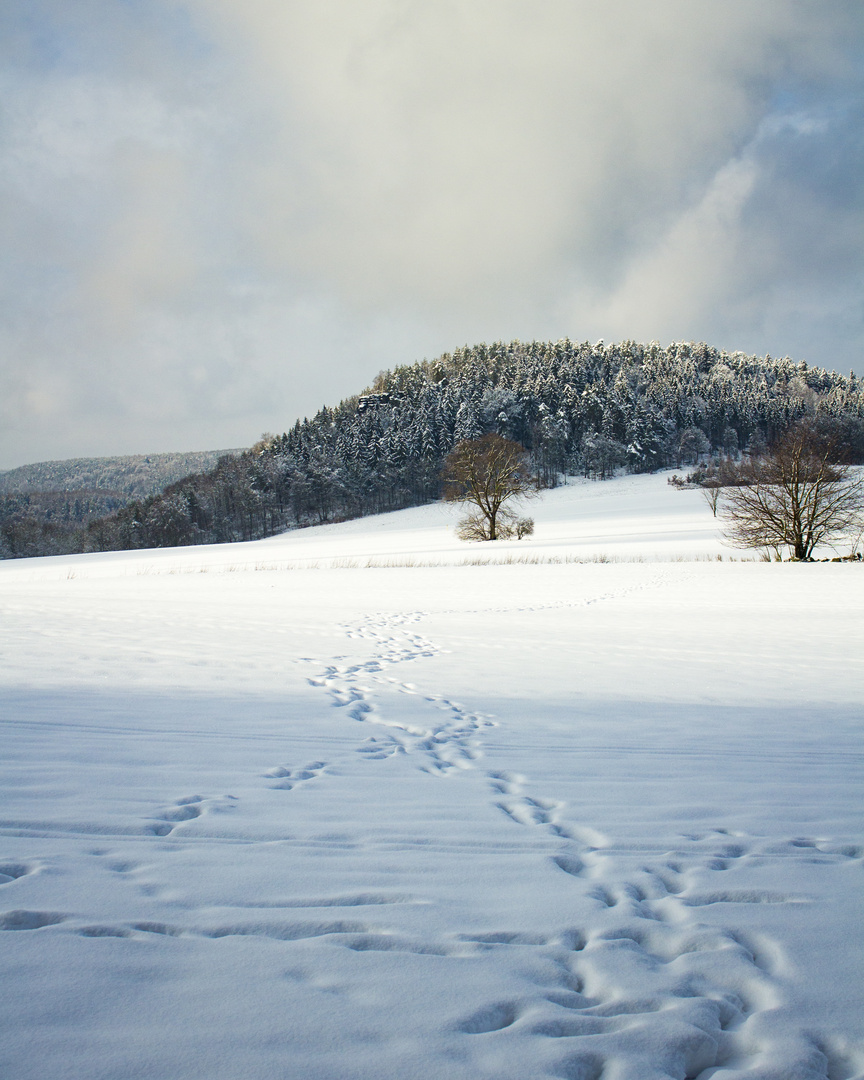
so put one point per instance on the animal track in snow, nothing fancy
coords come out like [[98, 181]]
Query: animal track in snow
[[704, 981], [525, 811], [287, 778], [185, 809], [490, 1018], [507, 783], [29, 920], [603, 896], [720, 850], [376, 749], [448, 744], [656, 1000], [647, 952], [11, 871], [122, 866], [570, 864]]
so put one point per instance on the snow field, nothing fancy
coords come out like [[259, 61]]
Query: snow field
[[511, 822]]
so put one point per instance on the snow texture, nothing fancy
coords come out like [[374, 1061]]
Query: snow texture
[[453, 822]]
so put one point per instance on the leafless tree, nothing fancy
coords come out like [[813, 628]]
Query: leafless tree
[[487, 472], [711, 494], [796, 496]]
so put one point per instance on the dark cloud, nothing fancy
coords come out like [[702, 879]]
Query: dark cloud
[[216, 216]]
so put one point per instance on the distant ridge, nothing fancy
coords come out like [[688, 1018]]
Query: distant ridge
[[135, 475], [577, 408]]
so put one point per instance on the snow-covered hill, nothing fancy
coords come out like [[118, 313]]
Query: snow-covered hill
[[341, 804], [135, 475]]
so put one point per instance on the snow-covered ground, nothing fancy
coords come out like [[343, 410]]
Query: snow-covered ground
[[270, 811]]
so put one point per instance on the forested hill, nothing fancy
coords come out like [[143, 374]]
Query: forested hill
[[46, 507], [578, 408], [133, 475]]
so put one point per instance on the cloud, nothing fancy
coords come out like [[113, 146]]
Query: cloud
[[774, 243], [219, 216], [456, 152]]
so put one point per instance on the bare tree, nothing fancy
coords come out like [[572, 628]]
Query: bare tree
[[711, 494], [487, 472], [796, 496]]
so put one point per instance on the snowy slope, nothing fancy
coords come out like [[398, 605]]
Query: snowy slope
[[572, 819], [631, 517]]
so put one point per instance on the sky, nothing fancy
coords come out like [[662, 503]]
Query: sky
[[219, 215]]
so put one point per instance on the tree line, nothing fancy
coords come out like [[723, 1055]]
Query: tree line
[[589, 409]]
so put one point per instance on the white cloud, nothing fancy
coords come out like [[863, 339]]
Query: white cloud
[[691, 271]]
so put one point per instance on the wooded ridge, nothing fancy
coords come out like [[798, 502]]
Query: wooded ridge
[[590, 409]]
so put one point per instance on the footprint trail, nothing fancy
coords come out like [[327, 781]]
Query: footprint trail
[[642, 989]]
